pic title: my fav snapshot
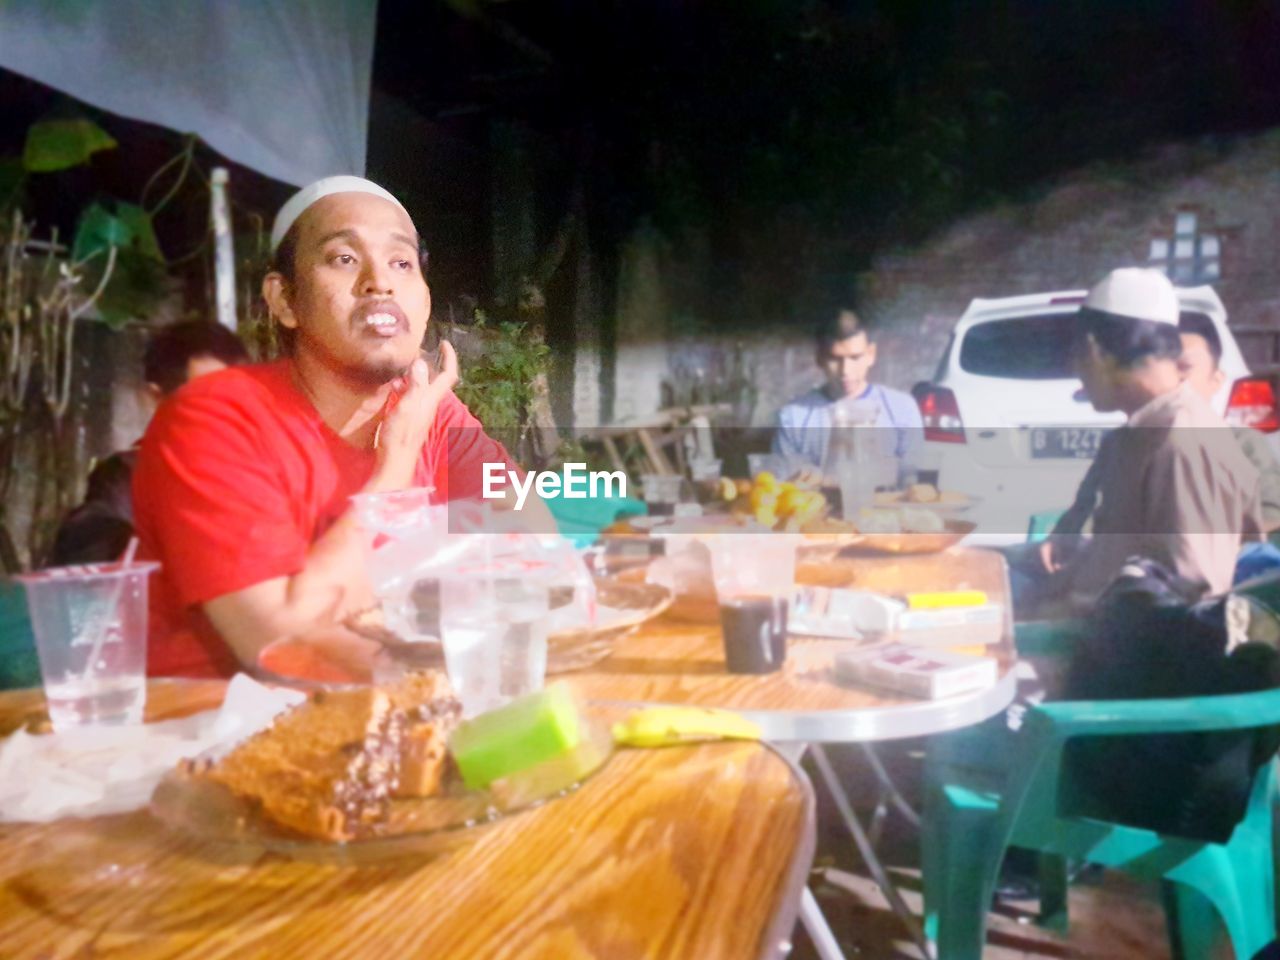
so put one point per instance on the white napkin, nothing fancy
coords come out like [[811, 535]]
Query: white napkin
[[93, 771]]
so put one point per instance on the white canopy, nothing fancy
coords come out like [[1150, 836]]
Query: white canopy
[[281, 86]]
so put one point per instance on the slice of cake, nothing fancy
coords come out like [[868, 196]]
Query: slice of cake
[[329, 767]]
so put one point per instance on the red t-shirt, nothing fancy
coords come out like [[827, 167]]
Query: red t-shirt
[[237, 477]]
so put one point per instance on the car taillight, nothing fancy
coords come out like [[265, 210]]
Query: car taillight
[[941, 414], [1253, 404]]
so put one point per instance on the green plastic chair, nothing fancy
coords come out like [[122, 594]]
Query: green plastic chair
[[971, 817], [1042, 524], [18, 664], [581, 521]]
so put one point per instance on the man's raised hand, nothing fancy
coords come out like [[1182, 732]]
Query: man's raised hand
[[407, 423]]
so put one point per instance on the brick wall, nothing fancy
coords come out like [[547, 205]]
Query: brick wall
[[1077, 230]]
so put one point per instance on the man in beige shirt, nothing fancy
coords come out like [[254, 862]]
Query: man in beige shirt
[[1174, 487]]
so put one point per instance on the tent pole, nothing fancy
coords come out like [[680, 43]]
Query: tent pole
[[224, 260]]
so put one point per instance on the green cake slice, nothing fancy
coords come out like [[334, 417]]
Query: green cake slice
[[515, 737]]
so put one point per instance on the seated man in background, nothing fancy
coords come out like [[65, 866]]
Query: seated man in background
[[1172, 485], [99, 529], [846, 353], [1201, 354], [244, 480]]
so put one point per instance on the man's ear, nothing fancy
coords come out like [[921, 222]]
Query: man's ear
[[871, 354], [154, 392], [275, 293]]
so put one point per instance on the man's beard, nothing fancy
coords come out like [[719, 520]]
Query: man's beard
[[378, 373], [368, 373]]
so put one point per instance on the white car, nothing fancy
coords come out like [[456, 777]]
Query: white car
[[1006, 420]]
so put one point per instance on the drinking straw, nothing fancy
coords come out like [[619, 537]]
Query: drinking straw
[[103, 623]]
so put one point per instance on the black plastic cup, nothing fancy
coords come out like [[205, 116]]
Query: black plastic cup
[[755, 633]]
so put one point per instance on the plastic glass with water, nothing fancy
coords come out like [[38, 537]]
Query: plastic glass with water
[[90, 625], [495, 638]]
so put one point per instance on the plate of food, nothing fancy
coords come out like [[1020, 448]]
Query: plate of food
[[382, 771], [908, 531], [350, 654], [926, 496]]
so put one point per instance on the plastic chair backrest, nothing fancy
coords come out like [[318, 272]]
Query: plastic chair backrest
[[581, 520], [1031, 798], [18, 664], [1042, 524]]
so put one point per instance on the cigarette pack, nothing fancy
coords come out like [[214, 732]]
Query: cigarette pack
[[942, 618], [922, 672], [826, 612]]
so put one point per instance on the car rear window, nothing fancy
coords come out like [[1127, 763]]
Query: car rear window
[[1021, 348]]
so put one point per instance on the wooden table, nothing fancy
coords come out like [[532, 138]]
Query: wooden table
[[669, 661], [673, 661], [698, 852]]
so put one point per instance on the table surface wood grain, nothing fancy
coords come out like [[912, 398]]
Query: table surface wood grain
[[674, 660], [694, 851]]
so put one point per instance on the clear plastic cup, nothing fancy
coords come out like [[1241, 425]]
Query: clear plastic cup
[[90, 625], [495, 638], [662, 492], [754, 575], [758, 463]]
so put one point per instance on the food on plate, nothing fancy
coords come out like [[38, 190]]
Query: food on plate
[[329, 767], [828, 526], [777, 504], [528, 731], [922, 493], [900, 520]]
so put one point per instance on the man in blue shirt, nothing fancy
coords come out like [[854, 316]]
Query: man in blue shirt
[[846, 353]]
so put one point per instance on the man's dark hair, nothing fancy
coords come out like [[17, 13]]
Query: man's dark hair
[[171, 348], [1129, 340], [1200, 325], [839, 322]]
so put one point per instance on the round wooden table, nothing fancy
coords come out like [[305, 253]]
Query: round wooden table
[[697, 851]]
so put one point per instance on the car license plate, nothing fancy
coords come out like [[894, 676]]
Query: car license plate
[[1066, 443]]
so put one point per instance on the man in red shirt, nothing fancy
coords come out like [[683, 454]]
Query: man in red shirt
[[243, 479]]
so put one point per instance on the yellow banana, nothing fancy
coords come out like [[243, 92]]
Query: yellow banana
[[661, 726]]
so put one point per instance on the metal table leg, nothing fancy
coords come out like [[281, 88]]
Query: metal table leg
[[815, 924], [867, 851]]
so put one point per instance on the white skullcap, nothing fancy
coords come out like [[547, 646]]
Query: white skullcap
[[1136, 293], [296, 205]]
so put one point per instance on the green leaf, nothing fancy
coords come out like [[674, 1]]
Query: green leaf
[[99, 229], [137, 286], [12, 174], [60, 144], [138, 222]]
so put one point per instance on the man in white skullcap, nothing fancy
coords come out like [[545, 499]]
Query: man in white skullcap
[[1170, 485], [243, 480]]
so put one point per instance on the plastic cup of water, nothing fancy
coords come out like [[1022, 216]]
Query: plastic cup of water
[[90, 625], [494, 632]]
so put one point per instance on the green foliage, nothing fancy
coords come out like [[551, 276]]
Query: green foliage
[[12, 176], [138, 281], [60, 144], [499, 387]]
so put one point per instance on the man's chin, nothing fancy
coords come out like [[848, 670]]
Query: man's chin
[[379, 371]]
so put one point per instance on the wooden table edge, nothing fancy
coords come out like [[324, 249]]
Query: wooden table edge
[[778, 934]]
